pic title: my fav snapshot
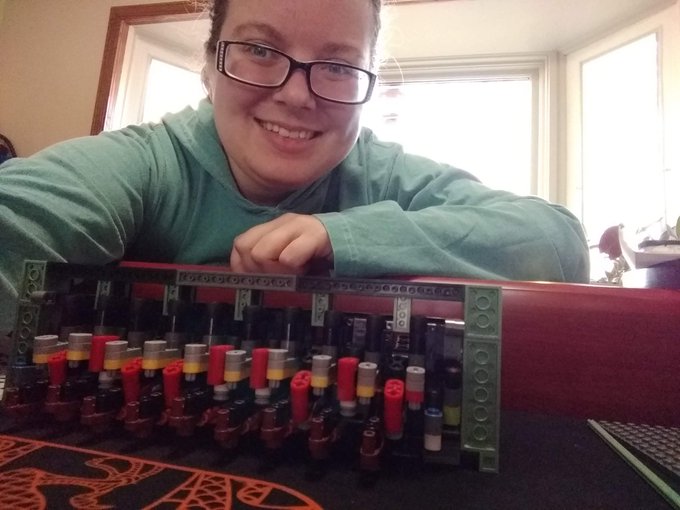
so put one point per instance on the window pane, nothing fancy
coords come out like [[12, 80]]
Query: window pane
[[484, 127], [622, 169], [169, 89]]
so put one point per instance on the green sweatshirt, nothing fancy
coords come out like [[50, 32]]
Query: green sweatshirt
[[164, 193]]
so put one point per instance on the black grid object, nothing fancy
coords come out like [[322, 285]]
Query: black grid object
[[660, 444]]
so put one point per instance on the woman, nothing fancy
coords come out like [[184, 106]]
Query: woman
[[273, 174]]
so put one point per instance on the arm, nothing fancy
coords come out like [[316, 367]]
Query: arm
[[409, 215], [403, 214], [79, 201]]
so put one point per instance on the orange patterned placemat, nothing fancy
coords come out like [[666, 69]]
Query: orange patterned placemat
[[39, 474]]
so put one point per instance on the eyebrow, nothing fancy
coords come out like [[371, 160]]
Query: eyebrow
[[344, 49], [277, 38], [261, 28]]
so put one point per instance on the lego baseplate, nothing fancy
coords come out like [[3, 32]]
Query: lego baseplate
[[651, 451], [660, 444]]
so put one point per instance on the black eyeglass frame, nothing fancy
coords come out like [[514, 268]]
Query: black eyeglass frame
[[293, 65]]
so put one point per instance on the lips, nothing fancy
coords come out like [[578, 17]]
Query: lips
[[288, 132]]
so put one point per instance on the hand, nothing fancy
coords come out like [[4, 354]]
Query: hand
[[290, 244]]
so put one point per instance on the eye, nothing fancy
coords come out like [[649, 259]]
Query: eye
[[338, 71], [259, 51]]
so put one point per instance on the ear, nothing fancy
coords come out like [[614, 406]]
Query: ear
[[206, 80]]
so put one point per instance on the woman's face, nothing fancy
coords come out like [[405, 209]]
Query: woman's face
[[279, 140]]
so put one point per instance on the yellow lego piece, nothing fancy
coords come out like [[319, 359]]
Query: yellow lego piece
[[234, 375], [114, 364], [41, 359], [452, 415], [154, 364], [365, 391], [194, 367], [319, 381], [276, 374], [77, 355]]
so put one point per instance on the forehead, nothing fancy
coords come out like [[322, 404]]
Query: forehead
[[310, 25]]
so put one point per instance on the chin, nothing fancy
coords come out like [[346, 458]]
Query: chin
[[289, 176], [289, 186]]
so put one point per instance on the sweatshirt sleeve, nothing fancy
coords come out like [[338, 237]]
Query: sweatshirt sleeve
[[405, 214], [79, 201]]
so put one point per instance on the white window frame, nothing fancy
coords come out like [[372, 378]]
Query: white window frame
[[666, 25], [541, 69], [139, 52]]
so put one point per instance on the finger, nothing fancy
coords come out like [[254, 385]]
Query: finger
[[240, 264], [235, 261], [251, 236], [270, 246], [295, 243], [246, 241], [302, 250], [287, 244], [242, 248]]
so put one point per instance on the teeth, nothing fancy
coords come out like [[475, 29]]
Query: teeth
[[286, 133]]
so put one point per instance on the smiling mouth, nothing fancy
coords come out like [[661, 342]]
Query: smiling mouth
[[293, 134]]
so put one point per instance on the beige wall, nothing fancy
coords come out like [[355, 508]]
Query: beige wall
[[50, 56]]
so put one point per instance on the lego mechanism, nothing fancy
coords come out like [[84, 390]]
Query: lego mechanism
[[379, 368]]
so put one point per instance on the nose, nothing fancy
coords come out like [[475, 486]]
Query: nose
[[295, 91]]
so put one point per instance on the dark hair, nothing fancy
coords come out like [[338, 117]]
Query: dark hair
[[218, 13]]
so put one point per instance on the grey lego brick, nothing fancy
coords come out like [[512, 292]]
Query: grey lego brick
[[235, 280], [382, 288]]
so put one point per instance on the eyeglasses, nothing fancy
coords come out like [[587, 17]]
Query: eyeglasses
[[266, 67]]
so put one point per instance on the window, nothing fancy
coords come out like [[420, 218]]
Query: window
[[621, 126], [482, 117], [150, 65], [159, 99], [622, 168], [482, 126]]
